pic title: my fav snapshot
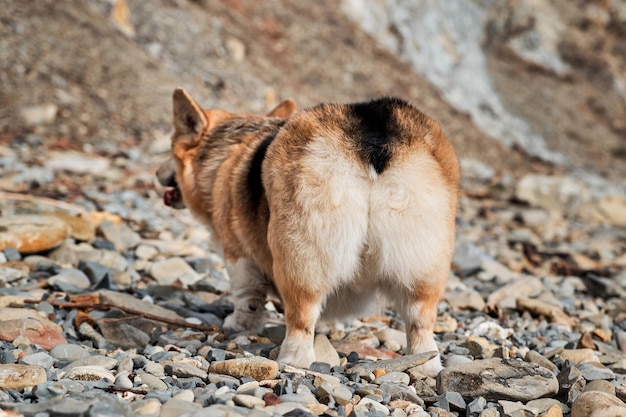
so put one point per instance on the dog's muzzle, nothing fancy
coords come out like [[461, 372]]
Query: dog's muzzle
[[166, 174]]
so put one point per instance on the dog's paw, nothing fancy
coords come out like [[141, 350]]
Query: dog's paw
[[431, 368], [297, 352], [236, 323]]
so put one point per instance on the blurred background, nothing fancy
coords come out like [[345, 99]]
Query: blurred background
[[519, 86]]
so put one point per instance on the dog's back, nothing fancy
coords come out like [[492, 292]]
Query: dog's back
[[362, 199]]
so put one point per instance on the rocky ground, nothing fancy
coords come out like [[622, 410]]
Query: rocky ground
[[111, 303]]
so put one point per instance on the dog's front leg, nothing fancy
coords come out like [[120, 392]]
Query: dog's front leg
[[249, 290]]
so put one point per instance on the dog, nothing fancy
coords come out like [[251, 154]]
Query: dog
[[332, 207]]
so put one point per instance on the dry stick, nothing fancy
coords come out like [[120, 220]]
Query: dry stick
[[104, 306]]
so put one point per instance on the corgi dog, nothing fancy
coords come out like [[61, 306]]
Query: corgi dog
[[332, 207]]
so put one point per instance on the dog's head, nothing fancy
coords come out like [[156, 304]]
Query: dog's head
[[193, 126]]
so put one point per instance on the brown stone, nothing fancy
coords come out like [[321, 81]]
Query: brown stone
[[541, 308], [80, 228], [586, 341], [598, 404], [18, 377], [257, 367], [32, 233], [34, 330]]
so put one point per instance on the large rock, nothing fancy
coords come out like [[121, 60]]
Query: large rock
[[32, 233], [562, 196], [498, 379], [598, 404]]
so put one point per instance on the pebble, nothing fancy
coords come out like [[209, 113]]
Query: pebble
[[598, 404], [18, 377], [258, 368], [32, 233], [498, 379]]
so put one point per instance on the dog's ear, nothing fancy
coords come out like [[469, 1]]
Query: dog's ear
[[285, 109], [188, 116]]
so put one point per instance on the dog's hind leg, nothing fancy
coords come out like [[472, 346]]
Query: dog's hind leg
[[249, 289]]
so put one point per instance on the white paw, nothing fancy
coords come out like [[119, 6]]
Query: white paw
[[431, 368], [299, 355]]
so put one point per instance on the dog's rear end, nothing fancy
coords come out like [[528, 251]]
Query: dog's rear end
[[362, 200]]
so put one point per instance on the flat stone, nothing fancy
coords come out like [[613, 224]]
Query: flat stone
[[324, 351], [127, 300], [32, 233], [396, 364], [393, 377], [562, 196], [257, 367], [498, 379], [122, 236], [36, 330], [577, 356], [69, 352], [177, 408], [598, 404], [39, 359], [465, 300], [169, 270], [70, 278], [540, 308], [89, 373], [592, 371], [184, 370], [80, 229], [18, 377], [152, 381]]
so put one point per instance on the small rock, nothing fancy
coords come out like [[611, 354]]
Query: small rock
[[39, 114], [497, 379], [600, 385], [577, 356], [598, 404], [324, 351], [41, 359], [169, 270], [392, 338], [89, 373], [558, 195], [18, 377], [122, 236], [80, 229], [32, 233], [465, 300], [70, 280], [257, 367], [35, 330], [592, 371], [541, 308], [69, 352], [184, 370], [248, 401]]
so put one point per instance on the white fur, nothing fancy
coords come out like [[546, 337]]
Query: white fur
[[359, 234]]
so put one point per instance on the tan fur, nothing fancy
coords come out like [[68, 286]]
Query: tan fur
[[340, 218]]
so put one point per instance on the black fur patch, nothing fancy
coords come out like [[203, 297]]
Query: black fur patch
[[377, 129], [255, 183]]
